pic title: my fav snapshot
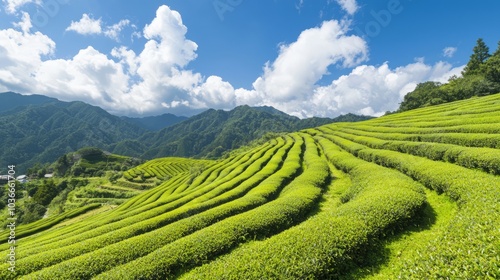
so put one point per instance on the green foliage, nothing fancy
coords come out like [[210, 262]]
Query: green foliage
[[205, 244], [91, 162], [44, 198], [481, 77], [91, 153], [45, 193], [156, 123], [486, 159], [44, 132], [38, 170], [339, 234], [214, 132], [31, 212], [491, 68], [164, 168], [35, 226], [480, 54], [469, 86], [11, 100], [426, 94], [409, 195], [62, 165], [44, 129], [142, 223]]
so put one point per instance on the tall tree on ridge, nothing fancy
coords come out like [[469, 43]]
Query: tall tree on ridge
[[480, 54], [492, 67], [497, 52]]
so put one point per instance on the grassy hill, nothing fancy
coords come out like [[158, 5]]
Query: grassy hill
[[412, 195]]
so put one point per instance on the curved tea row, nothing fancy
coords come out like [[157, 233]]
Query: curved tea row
[[309, 205]]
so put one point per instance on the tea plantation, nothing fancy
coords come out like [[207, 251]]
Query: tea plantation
[[414, 195]]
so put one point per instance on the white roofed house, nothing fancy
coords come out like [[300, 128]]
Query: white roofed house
[[4, 178]]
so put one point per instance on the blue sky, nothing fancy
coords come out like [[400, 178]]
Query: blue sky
[[304, 57]]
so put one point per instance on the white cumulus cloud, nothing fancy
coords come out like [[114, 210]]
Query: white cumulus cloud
[[215, 93], [114, 30], [292, 77], [350, 6], [21, 53], [302, 63], [449, 51], [90, 26], [372, 90], [25, 24], [89, 76], [11, 6], [156, 79], [86, 25], [148, 82]]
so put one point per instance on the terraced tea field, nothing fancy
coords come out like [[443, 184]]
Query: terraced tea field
[[413, 195]]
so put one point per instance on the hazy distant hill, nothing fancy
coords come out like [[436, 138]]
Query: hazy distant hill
[[42, 133], [40, 129], [156, 123], [10, 100], [213, 132]]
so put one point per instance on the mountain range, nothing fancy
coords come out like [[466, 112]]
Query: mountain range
[[36, 128]]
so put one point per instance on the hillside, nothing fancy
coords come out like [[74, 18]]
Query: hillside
[[44, 132], [411, 195], [155, 123], [39, 129], [12, 101], [214, 132]]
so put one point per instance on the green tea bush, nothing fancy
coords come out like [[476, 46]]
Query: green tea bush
[[472, 242], [301, 195], [41, 225], [148, 242], [324, 246], [485, 159]]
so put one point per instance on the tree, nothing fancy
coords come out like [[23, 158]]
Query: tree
[[480, 77], [45, 193], [491, 68], [31, 212], [497, 52], [62, 165], [469, 86], [480, 54], [90, 153], [425, 94]]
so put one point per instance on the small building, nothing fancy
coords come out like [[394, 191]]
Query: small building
[[4, 178], [50, 175]]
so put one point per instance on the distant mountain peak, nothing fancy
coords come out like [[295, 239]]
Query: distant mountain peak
[[155, 123], [12, 100], [271, 110]]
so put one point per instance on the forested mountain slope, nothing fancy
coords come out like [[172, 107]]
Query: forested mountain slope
[[214, 132], [42, 133], [38, 129]]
